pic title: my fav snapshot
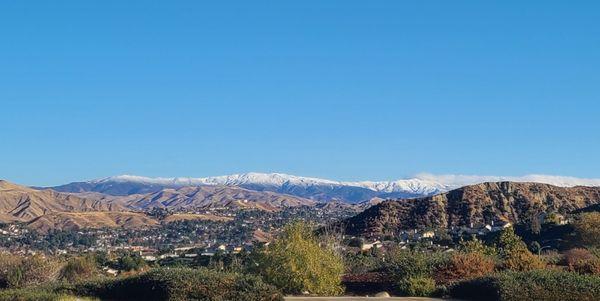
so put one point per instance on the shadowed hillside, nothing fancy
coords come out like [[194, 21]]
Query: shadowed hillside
[[481, 203]]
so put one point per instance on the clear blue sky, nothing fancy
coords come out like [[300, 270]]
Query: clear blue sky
[[347, 90]]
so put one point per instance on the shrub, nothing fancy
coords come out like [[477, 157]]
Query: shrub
[[403, 264], [79, 268], [587, 227], [361, 263], [522, 261], [296, 263], [462, 266], [576, 256], [544, 285], [178, 284], [8, 264], [368, 283], [551, 257], [514, 253], [131, 263], [418, 286], [18, 272], [34, 295], [591, 267], [475, 245]]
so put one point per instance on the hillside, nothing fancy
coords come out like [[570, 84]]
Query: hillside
[[80, 220], [105, 219], [44, 210], [19, 203], [203, 197], [481, 203]]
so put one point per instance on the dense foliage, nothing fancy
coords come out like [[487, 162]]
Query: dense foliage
[[179, 284], [587, 227], [543, 285], [297, 263]]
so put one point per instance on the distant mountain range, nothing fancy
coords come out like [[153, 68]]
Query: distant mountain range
[[475, 204], [45, 209], [315, 189], [425, 201]]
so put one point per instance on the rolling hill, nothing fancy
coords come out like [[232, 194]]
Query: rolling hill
[[19, 203], [204, 197], [46, 209]]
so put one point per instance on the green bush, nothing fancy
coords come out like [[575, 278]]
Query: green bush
[[514, 253], [542, 285], [402, 264], [413, 271], [79, 268], [178, 284], [418, 286], [297, 262], [34, 295], [131, 263]]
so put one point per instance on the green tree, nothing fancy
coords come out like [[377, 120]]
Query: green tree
[[298, 263], [515, 254], [587, 227], [131, 263]]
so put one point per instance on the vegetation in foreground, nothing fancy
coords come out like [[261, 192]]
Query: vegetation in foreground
[[502, 268]]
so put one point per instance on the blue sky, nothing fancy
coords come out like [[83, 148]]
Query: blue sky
[[348, 90]]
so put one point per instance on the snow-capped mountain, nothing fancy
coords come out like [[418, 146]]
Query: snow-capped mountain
[[312, 188]]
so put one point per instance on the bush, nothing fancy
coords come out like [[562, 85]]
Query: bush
[[514, 253], [131, 263], [361, 263], [475, 245], [403, 264], [463, 266], [79, 268], [296, 263], [178, 284], [576, 256], [34, 295], [522, 261], [587, 227], [544, 285], [591, 267], [19, 272], [418, 286]]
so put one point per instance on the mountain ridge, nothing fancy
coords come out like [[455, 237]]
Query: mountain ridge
[[474, 204], [316, 189]]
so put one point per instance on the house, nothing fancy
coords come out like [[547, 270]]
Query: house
[[427, 234], [499, 226], [369, 246], [149, 258], [111, 272]]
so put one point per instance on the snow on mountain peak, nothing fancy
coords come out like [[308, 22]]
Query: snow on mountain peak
[[421, 184]]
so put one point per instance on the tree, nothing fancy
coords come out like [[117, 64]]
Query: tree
[[515, 254], [297, 263], [587, 227], [131, 263], [475, 245]]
